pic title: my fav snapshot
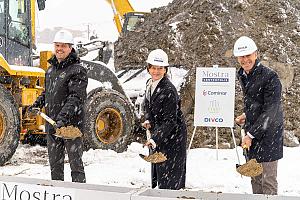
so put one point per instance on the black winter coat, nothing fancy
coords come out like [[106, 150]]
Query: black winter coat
[[65, 91], [264, 115], [169, 132]]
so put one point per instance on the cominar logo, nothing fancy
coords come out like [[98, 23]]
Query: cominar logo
[[16, 192], [209, 76], [213, 119], [215, 93]]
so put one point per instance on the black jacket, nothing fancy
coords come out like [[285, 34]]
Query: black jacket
[[264, 115], [65, 91], [168, 130]]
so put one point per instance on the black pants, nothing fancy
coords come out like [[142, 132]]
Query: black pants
[[56, 152], [170, 174]]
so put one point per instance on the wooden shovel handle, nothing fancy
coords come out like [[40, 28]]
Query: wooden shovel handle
[[148, 134], [48, 119]]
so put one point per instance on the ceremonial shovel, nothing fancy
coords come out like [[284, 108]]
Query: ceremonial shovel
[[251, 168], [69, 132], [156, 157]]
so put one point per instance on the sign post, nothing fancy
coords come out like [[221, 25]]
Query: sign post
[[214, 98]]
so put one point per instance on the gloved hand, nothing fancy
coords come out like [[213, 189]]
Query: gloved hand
[[60, 124], [33, 110]]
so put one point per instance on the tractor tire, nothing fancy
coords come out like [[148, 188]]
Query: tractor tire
[[9, 125], [109, 120]]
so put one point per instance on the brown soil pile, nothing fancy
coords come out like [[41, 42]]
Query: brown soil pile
[[202, 33]]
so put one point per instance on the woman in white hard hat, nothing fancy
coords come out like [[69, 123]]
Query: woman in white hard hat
[[166, 123], [263, 115]]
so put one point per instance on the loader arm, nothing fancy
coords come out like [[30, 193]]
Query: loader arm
[[125, 17], [121, 6]]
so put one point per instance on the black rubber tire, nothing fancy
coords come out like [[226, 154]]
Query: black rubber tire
[[9, 125], [117, 116]]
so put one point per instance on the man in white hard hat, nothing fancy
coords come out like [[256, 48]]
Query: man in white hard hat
[[263, 116], [166, 123], [63, 99]]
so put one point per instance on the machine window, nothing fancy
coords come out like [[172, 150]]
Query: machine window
[[2, 18], [18, 22], [132, 22]]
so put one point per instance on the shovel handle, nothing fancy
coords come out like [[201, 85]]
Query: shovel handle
[[245, 148], [48, 119], [148, 134], [245, 152]]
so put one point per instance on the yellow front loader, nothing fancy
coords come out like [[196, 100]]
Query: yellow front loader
[[110, 119]]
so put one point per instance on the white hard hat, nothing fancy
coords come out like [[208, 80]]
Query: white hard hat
[[64, 36], [158, 57], [244, 46]]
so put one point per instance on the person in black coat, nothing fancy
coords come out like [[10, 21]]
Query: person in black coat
[[63, 99], [166, 123], [263, 115]]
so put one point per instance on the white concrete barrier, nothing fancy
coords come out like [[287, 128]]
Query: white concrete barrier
[[154, 194], [18, 188], [151, 194]]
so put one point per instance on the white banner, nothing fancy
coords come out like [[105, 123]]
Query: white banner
[[214, 98], [20, 191]]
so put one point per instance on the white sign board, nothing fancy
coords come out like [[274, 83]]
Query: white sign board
[[214, 98]]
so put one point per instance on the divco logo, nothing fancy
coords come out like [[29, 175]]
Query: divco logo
[[11, 191], [209, 76], [213, 119]]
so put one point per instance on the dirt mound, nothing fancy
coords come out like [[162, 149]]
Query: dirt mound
[[202, 33]]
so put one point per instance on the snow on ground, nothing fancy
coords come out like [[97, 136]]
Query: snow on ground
[[204, 171]]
